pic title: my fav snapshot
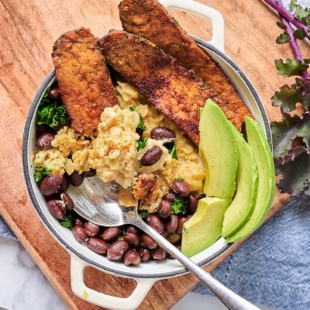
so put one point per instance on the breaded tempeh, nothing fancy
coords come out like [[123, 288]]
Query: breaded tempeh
[[149, 19], [176, 92], [85, 84]]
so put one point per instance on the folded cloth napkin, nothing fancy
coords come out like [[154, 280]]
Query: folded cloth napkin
[[272, 268]]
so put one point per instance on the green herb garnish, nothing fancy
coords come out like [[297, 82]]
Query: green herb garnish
[[41, 171], [172, 150], [178, 205], [51, 112], [141, 143], [141, 125], [143, 245], [66, 221], [144, 214], [132, 108], [184, 231]]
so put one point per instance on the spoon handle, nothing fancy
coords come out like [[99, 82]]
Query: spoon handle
[[230, 299]]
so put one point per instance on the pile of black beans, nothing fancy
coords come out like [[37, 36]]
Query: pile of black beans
[[127, 243]]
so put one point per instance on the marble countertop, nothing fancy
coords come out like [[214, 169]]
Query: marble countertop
[[23, 286]]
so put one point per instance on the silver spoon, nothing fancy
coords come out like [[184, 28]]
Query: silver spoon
[[106, 205]]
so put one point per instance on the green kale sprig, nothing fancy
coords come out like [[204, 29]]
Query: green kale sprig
[[51, 112]]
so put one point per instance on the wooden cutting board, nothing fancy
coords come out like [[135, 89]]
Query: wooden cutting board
[[28, 31]]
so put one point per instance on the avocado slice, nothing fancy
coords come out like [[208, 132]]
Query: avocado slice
[[205, 226], [266, 178], [244, 200], [218, 150]]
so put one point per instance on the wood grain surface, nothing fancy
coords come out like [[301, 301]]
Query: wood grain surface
[[28, 31]]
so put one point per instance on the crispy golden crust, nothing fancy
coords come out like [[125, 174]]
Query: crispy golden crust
[[149, 19], [84, 82], [143, 185], [147, 188], [174, 90]]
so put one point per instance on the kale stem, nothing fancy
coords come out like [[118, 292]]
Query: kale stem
[[293, 42], [288, 16]]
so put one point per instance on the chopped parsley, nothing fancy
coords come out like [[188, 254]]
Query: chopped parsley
[[141, 143], [132, 108], [184, 230], [172, 150], [144, 214], [178, 205], [143, 245], [41, 172], [66, 221], [51, 112], [141, 125]]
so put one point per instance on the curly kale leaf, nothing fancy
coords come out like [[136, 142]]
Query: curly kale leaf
[[41, 171], [178, 205], [284, 133], [67, 221], [291, 67], [294, 172], [288, 96], [141, 143], [51, 112]]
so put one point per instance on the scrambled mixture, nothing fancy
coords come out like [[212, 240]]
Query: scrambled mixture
[[124, 136]]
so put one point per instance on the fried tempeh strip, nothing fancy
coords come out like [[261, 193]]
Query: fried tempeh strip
[[176, 92], [85, 84], [149, 19]]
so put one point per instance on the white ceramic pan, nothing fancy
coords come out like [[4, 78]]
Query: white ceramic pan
[[147, 273]]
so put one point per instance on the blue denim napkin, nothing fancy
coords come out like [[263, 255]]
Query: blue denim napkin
[[272, 268], [5, 231]]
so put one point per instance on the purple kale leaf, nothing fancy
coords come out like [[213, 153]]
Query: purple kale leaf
[[286, 131], [288, 96], [294, 171], [291, 67]]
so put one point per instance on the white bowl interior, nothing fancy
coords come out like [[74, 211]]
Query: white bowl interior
[[151, 269]]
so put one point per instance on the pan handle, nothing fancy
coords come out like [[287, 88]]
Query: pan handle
[[211, 14], [100, 299]]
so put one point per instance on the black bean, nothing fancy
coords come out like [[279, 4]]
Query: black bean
[[51, 184], [159, 254], [152, 156], [132, 257], [172, 223], [91, 229], [67, 201], [78, 222], [148, 242], [111, 234], [79, 233], [180, 187], [57, 208], [76, 179], [164, 209], [162, 133], [169, 196], [192, 204], [133, 230], [97, 245], [54, 93], [182, 220], [145, 254], [117, 250], [133, 239], [155, 222], [90, 173], [44, 142]]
